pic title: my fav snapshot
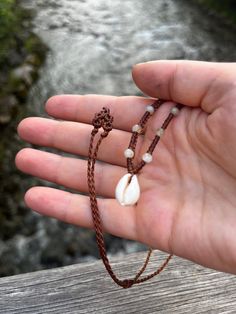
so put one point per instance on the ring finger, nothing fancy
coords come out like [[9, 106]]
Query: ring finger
[[68, 172], [73, 137]]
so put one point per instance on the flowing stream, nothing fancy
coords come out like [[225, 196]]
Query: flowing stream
[[92, 47]]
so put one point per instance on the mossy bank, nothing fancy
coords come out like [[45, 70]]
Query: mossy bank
[[21, 54]]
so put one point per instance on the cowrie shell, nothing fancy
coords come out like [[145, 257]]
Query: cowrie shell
[[128, 190]]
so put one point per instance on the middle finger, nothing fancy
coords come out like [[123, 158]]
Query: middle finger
[[73, 137]]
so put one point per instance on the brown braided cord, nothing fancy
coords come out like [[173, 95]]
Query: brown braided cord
[[98, 225], [104, 120]]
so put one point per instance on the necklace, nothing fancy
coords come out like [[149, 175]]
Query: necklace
[[128, 189]]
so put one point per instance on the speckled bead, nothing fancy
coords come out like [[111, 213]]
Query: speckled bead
[[137, 128], [175, 111], [150, 109], [129, 153], [147, 158], [160, 132]]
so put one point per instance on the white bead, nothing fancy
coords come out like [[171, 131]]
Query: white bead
[[136, 128], [160, 132], [175, 111], [147, 157], [129, 153], [150, 109]]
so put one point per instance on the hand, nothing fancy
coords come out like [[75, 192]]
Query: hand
[[188, 192]]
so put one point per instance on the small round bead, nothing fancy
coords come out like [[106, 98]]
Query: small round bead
[[160, 132], [175, 111], [129, 153], [137, 128], [147, 157], [150, 109]]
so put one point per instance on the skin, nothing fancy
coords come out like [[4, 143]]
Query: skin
[[188, 192]]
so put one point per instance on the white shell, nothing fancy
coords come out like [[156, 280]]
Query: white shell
[[128, 190]]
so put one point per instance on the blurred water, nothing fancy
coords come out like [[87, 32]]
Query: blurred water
[[93, 45]]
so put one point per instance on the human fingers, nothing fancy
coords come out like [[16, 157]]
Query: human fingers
[[73, 137], [69, 172], [192, 83], [75, 209], [126, 110]]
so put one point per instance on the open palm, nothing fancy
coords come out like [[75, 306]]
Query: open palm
[[188, 201]]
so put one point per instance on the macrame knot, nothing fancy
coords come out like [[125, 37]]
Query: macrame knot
[[97, 121], [107, 126], [104, 134], [103, 119]]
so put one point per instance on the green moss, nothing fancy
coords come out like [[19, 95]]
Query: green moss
[[35, 46], [9, 20], [19, 46], [15, 34]]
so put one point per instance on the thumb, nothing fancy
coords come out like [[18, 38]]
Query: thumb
[[192, 83]]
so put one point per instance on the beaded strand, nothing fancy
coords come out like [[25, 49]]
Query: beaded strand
[[138, 129]]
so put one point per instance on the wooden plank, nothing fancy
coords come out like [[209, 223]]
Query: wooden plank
[[86, 288]]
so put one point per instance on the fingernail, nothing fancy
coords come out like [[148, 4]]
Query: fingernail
[[137, 64]]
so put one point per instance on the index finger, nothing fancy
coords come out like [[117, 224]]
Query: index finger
[[126, 110], [191, 83]]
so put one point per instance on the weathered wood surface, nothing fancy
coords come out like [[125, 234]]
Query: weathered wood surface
[[86, 288]]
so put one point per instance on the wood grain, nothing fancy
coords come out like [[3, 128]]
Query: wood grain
[[86, 288]]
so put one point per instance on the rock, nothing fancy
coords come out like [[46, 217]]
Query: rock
[[21, 78], [4, 119], [8, 108], [33, 60], [54, 25], [23, 73]]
